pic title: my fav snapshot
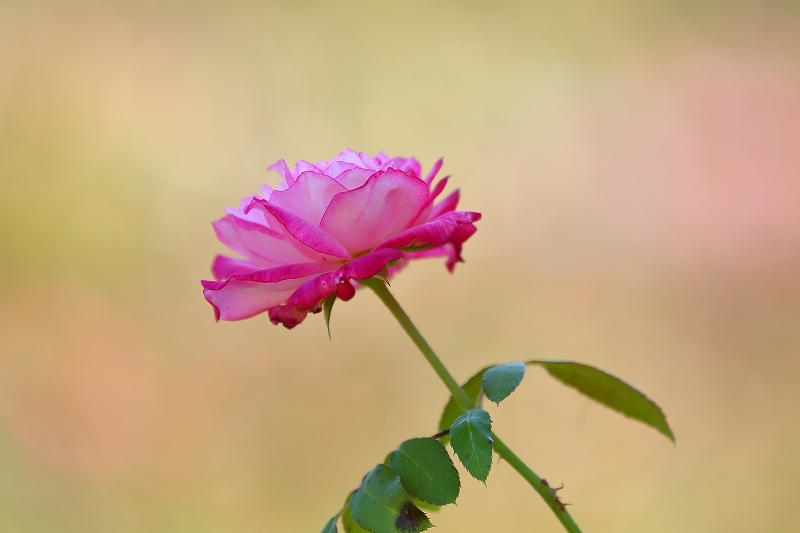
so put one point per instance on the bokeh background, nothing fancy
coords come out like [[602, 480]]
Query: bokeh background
[[638, 168]]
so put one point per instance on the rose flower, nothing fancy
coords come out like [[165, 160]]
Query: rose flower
[[325, 224]]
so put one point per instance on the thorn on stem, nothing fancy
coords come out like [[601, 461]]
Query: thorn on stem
[[552, 492]]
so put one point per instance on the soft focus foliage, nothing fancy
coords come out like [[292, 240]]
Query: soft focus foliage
[[636, 164]]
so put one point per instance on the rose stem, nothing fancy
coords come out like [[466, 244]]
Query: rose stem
[[463, 401]]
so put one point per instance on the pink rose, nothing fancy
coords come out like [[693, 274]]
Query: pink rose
[[350, 218]]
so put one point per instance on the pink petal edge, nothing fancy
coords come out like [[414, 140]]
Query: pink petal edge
[[316, 289]]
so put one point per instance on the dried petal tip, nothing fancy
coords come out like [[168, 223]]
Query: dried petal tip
[[345, 291], [288, 315]]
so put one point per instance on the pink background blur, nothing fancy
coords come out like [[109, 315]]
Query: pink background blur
[[638, 168]]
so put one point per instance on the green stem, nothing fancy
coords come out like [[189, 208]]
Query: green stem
[[539, 485], [452, 385]]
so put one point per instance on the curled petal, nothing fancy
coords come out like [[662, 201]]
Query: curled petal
[[348, 155], [449, 203], [260, 244], [225, 267], [435, 233], [283, 170], [309, 236], [434, 170], [316, 289], [464, 232], [288, 315], [408, 165], [345, 290], [354, 178], [305, 166], [425, 214], [243, 296]]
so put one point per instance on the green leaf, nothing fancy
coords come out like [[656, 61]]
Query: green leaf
[[330, 527], [610, 391], [500, 381], [426, 506], [348, 522], [471, 439], [381, 505], [327, 307], [452, 411], [426, 471]]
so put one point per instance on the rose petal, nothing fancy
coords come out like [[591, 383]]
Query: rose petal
[[386, 204], [449, 203], [464, 232], [354, 178], [225, 267], [434, 170], [308, 197], [240, 297], [408, 165], [303, 233], [304, 166], [436, 232], [258, 243], [375, 163], [316, 289], [425, 214], [282, 169], [348, 155], [334, 168], [288, 315]]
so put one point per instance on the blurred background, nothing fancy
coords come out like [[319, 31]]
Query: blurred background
[[638, 168]]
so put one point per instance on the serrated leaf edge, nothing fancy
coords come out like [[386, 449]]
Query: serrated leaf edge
[[463, 462], [414, 496]]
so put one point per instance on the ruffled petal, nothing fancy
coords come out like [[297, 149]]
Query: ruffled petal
[[386, 204], [302, 233], [308, 197], [409, 165], [449, 203], [464, 232], [348, 155], [258, 243], [225, 267], [354, 178], [374, 163], [243, 296], [304, 166], [425, 214], [282, 169], [435, 233], [434, 170], [334, 168], [316, 289]]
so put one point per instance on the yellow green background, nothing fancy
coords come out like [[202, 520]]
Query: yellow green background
[[638, 168]]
